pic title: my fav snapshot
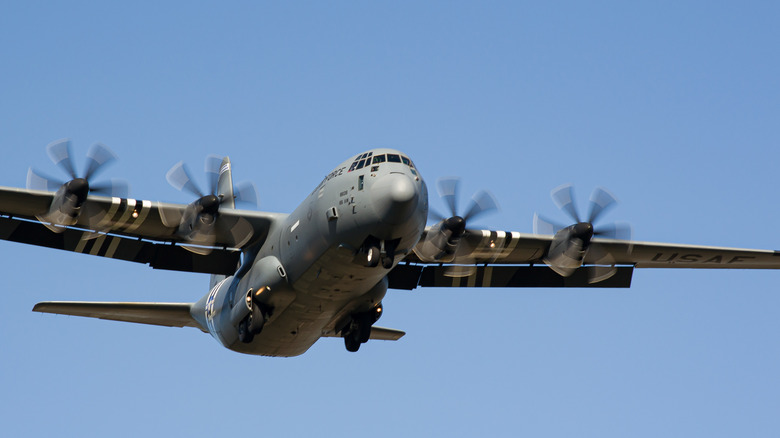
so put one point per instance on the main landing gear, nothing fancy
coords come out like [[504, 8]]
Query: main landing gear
[[253, 323], [358, 330]]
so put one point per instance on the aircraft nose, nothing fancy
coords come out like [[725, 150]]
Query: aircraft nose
[[395, 197]]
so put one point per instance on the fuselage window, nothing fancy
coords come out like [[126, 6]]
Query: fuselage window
[[379, 159], [360, 182], [393, 158]]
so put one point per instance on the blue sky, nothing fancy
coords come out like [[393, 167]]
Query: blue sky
[[671, 105]]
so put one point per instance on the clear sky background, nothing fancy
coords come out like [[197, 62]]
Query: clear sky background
[[674, 106]]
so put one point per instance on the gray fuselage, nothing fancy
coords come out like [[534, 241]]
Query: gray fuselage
[[311, 269]]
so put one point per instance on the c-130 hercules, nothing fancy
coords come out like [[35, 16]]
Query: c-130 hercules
[[280, 281]]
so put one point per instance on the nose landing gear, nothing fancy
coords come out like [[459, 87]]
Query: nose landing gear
[[375, 251]]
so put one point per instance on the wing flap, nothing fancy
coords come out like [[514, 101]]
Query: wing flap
[[164, 314], [155, 254]]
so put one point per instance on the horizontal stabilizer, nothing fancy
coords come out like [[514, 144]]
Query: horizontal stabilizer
[[386, 334], [380, 333], [165, 314]]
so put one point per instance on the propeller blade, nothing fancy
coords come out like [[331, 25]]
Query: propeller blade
[[435, 215], [179, 178], [240, 230], [600, 201], [543, 225], [563, 197], [459, 271], [205, 242], [98, 155], [36, 181], [211, 167], [600, 273], [603, 264], [118, 188], [618, 230], [247, 193], [463, 263], [59, 152], [170, 216], [448, 190], [481, 202]]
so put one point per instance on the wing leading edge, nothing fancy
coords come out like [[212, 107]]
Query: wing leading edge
[[487, 247]]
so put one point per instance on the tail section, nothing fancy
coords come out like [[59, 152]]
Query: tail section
[[225, 184], [224, 191]]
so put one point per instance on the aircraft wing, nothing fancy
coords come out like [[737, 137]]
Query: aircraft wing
[[134, 230], [512, 259], [165, 314]]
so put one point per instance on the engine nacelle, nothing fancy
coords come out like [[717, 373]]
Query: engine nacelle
[[568, 248], [66, 205]]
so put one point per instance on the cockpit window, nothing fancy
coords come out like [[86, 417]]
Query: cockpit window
[[379, 159], [361, 164], [393, 158], [407, 161]]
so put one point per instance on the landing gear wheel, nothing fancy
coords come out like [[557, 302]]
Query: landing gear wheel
[[363, 331], [372, 256], [256, 320], [351, 343], [244, 334], [387, 262]]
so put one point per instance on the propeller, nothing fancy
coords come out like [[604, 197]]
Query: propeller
[[70, 195], [443, 242], [200, 222], [572, 245]]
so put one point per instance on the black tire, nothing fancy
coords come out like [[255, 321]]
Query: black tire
[[387, 262], [256, 320], [372, 256], [364, 331], [351, 343], [244, 334]]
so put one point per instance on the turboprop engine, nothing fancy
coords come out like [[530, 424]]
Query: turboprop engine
[[70, 196], [443, 242], [572, 246]]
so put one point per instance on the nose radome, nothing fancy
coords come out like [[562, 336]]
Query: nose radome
[[394, 197]]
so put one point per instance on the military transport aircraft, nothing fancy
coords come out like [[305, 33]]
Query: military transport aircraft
[[279, 282]]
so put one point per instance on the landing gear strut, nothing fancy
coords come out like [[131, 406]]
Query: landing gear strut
[[375, 251], [253, 323]]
